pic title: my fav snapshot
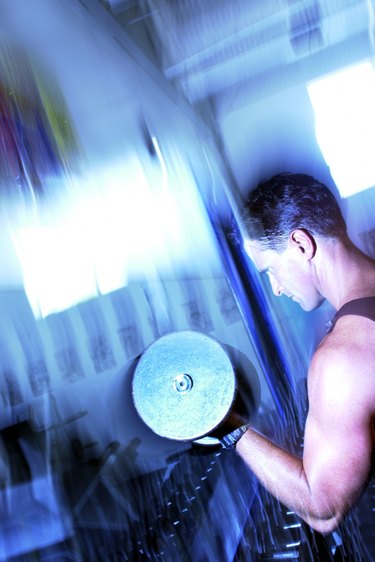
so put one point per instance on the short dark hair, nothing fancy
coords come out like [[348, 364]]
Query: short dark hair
[[289, 201]]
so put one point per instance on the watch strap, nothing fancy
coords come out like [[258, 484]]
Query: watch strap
[[229, 441]]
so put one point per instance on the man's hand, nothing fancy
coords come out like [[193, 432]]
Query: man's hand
[[230, 430]]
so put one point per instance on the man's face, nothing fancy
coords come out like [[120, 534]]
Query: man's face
[[289, 271]]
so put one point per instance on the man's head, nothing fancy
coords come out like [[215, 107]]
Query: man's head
[[287, 202], [284, 219]]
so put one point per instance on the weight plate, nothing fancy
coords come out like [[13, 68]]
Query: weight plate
[[184, 385]]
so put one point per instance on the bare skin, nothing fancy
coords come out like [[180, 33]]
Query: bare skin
[[339, 434]]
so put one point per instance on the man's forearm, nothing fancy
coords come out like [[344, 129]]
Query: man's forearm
[[282, 474]]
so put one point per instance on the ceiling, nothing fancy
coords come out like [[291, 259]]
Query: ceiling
[[220, 52]]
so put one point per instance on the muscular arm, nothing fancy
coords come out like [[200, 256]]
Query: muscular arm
[[323, 485]]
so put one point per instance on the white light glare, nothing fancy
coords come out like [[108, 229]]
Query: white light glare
[[130, 227], [345, 125]]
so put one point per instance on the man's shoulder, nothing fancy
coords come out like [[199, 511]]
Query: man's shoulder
[[346, 356], [352, 334]]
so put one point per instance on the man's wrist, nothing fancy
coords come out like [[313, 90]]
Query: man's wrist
[[230, 440]]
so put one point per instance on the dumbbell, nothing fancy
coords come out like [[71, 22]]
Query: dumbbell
[[187, 385]]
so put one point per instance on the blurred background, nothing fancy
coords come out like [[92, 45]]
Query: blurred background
[[130, 133]]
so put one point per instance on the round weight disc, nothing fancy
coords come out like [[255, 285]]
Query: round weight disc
[[184, 385]]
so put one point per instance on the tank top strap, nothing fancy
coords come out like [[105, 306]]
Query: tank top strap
[[359, 307]]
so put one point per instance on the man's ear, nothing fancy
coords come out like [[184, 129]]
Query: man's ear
[[304, 243]]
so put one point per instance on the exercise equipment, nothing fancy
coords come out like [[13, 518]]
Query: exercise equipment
[[185, 385]]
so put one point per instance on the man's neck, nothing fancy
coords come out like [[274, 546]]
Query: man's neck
[[344, 273]]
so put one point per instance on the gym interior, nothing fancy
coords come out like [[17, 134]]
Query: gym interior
[[131, 132]]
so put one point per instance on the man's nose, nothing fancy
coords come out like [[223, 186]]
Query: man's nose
[[276, 287]]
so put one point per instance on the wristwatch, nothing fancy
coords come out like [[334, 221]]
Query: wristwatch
[[229, 441]]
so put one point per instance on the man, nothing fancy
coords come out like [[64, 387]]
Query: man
[[295, 233]]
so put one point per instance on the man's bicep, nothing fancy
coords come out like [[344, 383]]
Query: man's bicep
[[337, 447]]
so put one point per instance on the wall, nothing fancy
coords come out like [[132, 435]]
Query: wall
[[118, 250]]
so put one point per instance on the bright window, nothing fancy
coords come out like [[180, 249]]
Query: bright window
[[344, 105], [127, 226]]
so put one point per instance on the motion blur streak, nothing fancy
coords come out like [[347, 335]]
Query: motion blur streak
[[124, 226]]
